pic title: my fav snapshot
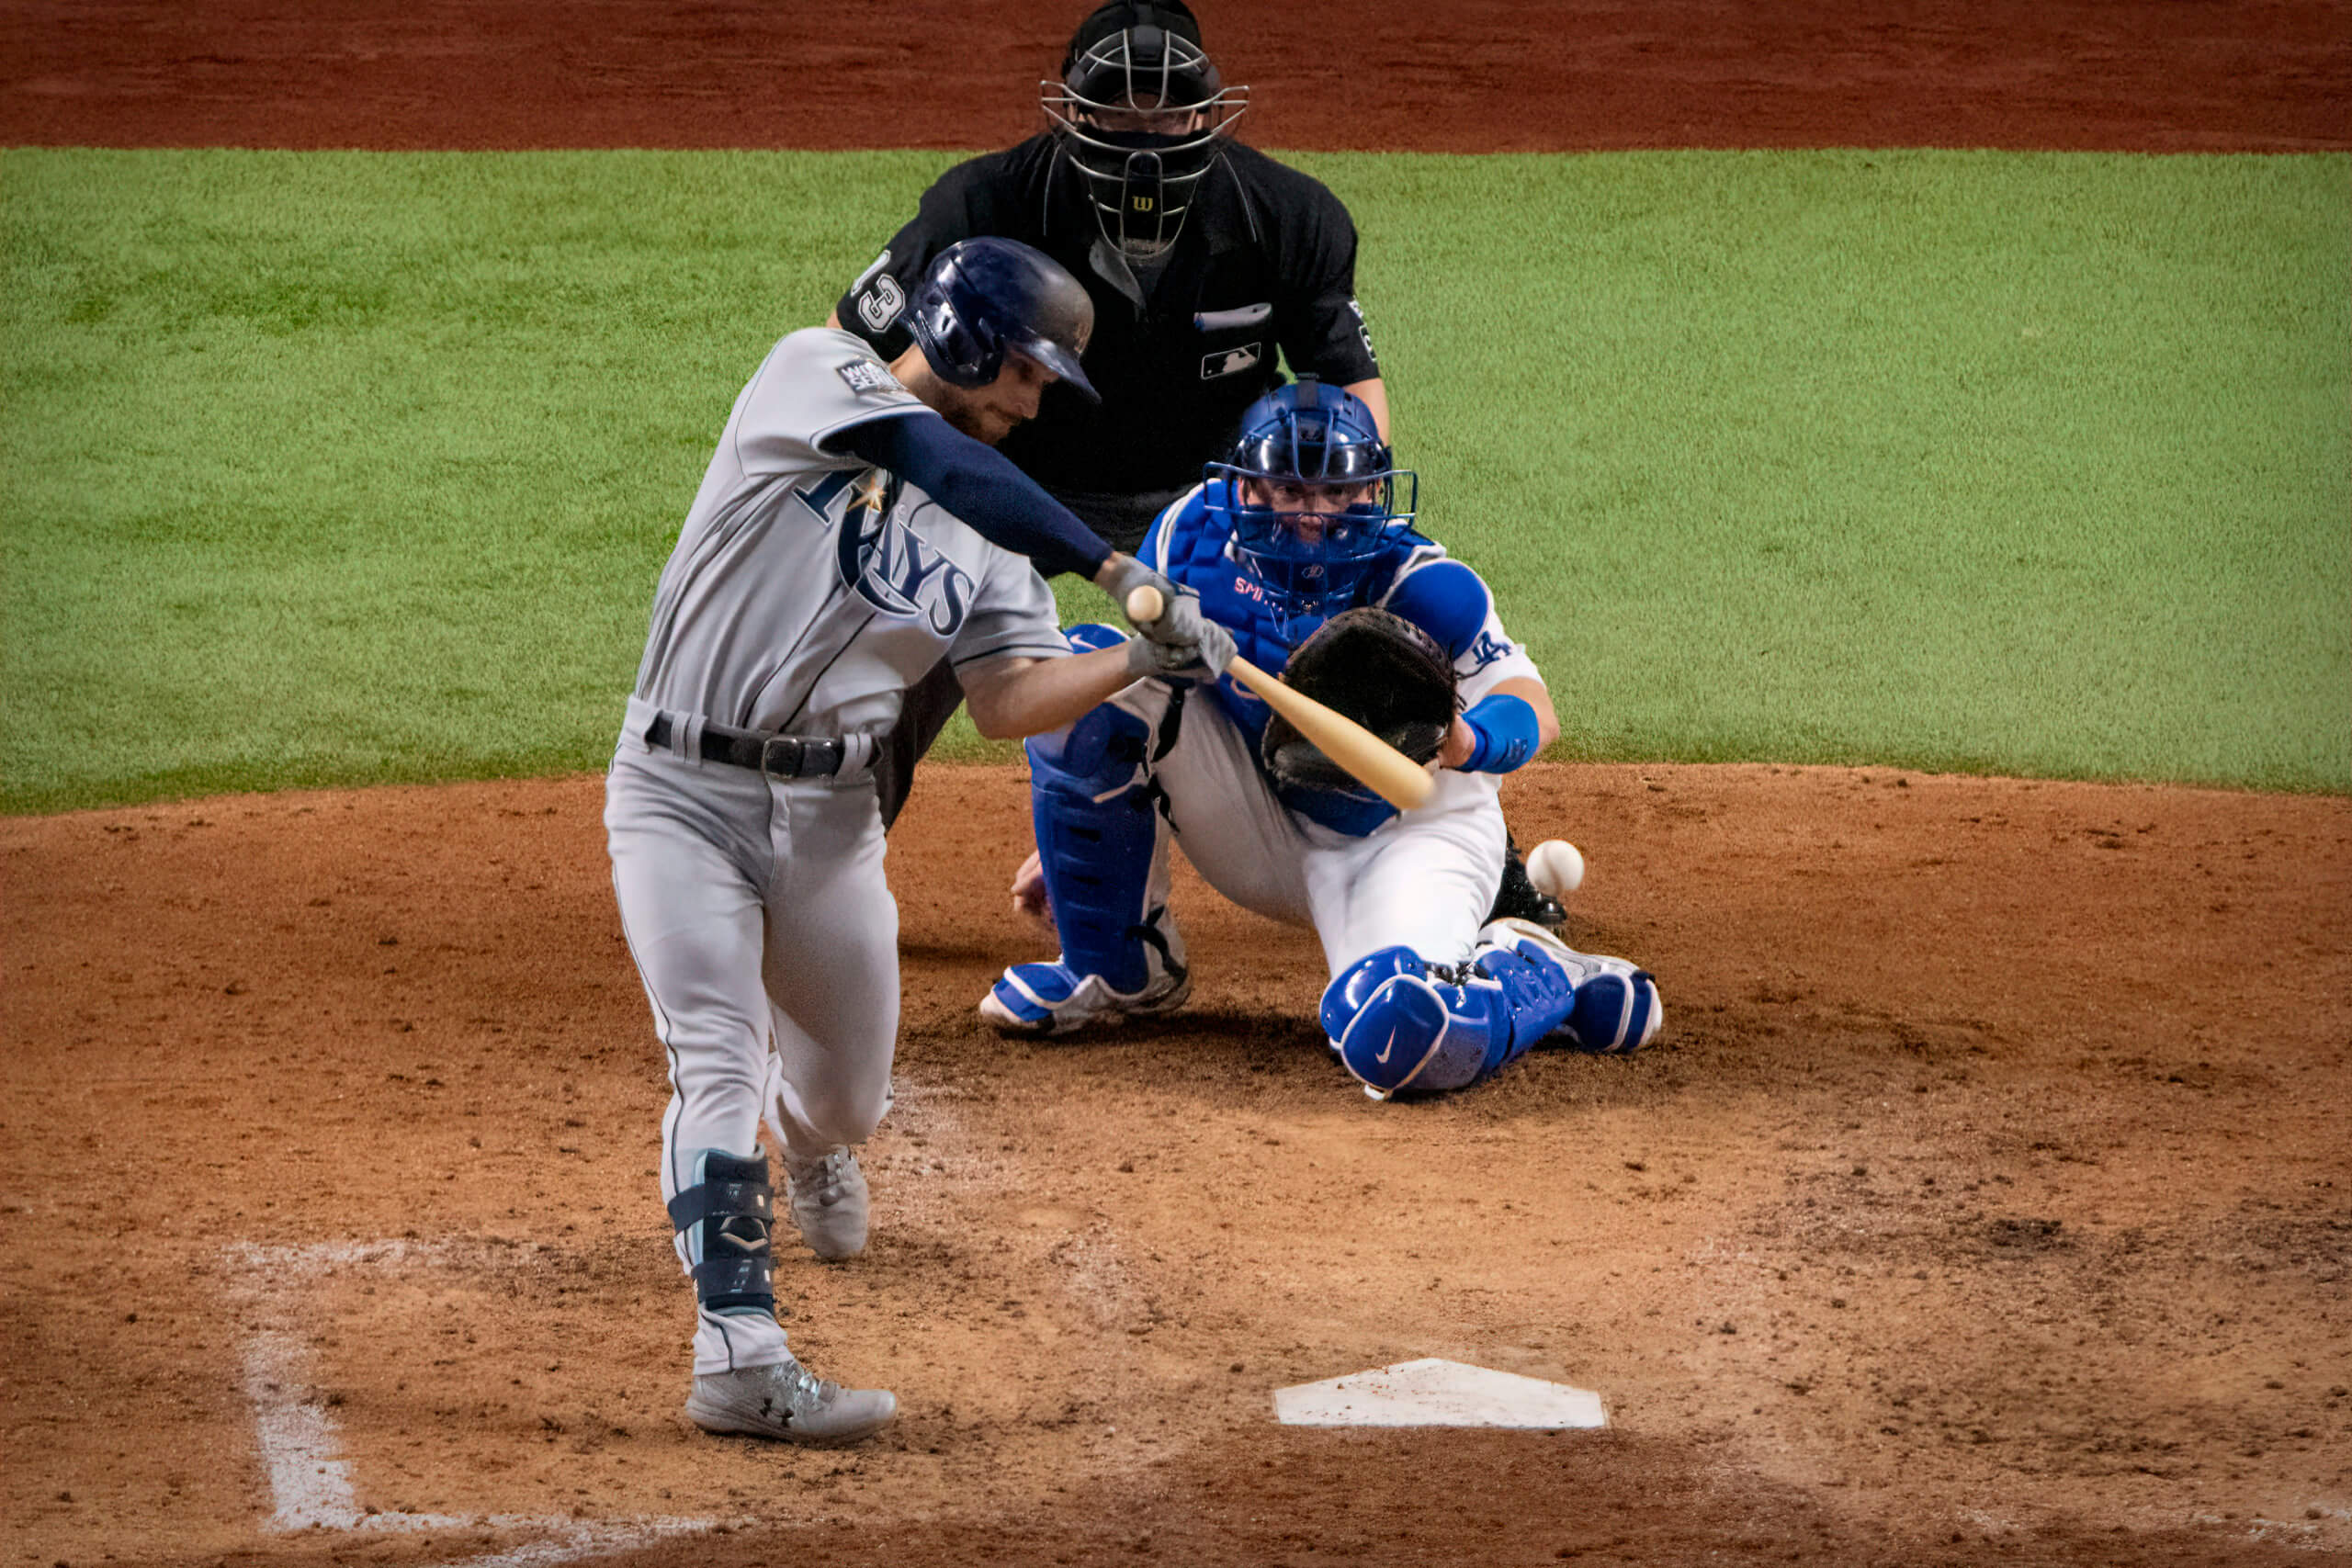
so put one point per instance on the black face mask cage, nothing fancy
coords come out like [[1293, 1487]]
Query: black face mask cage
[[1142, 114]]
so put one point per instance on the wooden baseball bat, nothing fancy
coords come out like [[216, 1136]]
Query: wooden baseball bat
[[1380, 767]]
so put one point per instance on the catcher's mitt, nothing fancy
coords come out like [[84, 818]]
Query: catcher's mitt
[[1381, 671]]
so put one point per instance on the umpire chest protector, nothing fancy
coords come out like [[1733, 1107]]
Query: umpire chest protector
[[1263, 268]]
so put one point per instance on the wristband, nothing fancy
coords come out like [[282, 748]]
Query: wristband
[[1504, 732]]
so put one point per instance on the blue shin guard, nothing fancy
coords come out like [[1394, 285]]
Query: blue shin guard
[[1100, 842], [1400, 1023]]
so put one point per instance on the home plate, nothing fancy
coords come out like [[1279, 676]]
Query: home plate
[[1434, 1393]]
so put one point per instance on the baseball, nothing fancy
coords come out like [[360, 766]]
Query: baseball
[[1556, 866]]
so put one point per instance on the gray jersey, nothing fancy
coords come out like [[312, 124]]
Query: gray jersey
[[807, 590]]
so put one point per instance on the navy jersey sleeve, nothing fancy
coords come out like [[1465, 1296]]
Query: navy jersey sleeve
[[975, 483], [1320, 324], [874, 307]]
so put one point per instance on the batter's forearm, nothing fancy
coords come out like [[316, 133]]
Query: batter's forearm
[[1011, 698]]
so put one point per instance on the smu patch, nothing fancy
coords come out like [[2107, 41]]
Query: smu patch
[[866, 377], [1231, 361]]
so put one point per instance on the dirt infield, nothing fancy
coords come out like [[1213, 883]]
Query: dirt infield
[[1481, 75], [1988, 1192], [1986, 1200]]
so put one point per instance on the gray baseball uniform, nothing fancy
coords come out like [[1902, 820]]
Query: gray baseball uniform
[[805, 592]]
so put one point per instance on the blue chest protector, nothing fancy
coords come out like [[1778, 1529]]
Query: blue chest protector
[[1444, 598]]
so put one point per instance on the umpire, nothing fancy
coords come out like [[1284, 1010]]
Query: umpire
[[1206, 261]]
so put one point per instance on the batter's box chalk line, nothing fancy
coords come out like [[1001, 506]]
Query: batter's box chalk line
[[1436, 1393], [309, 1481]]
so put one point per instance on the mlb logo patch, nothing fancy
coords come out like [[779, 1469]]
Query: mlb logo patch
[[1231, 361], [866, 377]]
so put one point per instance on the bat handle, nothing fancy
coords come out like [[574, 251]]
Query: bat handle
[[1144, 604]]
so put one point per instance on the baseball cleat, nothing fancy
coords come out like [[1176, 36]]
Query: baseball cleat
[[829, 1202], [1049, 998], [1617, 1007], [786, 1400]]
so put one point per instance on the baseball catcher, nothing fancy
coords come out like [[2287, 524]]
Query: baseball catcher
[[1301, 544]]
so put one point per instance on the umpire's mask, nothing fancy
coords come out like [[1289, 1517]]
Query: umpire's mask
[[1141, 112]]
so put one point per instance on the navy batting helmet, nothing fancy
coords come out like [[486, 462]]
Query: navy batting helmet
[[1312, 496], [1142, 113], [987, 297]]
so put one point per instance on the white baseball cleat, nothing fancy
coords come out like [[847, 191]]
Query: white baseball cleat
[[828, 1198], [786, 1400], [1049, 998]]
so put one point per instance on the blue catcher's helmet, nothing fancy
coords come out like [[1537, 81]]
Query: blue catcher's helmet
[[987, 297], [1311, 496]]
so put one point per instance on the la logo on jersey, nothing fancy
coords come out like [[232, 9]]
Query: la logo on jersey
[[893, 567]]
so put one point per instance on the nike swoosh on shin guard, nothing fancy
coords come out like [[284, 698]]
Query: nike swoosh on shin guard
[[1383, 1004]]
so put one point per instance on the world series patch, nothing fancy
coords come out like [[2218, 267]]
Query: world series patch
[[866, 377]]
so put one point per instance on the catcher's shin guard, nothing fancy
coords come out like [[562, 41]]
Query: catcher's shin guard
[[1613, 1005], [1400, 1023], [723, 1221], [1101, 838]]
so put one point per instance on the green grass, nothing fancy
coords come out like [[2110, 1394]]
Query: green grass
[[333, 468]]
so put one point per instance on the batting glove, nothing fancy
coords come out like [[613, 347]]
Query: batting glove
[[1202, 659]]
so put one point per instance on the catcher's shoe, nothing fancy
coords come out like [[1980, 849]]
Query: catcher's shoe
[[1616, 1008], [1050, 999], [828, 1200], [1518, 899], [786, 1400]]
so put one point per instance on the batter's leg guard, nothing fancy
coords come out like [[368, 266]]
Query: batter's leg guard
[[1609, 1005], [725, 1218], [1101, 838]]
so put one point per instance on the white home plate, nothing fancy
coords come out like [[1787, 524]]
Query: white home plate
[[1433, 1392]]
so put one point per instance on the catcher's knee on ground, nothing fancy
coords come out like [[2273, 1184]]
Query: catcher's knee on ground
[[1100, 842], [1400, 1023]]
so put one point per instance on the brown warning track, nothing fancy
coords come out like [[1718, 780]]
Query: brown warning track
[[1483, 76], [1986, 1198]]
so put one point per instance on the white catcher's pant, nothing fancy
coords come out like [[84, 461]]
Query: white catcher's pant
[[767, 938], [1424, 880]]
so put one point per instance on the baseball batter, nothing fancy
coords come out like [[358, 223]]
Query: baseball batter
[[855, 528], [1309, 519]]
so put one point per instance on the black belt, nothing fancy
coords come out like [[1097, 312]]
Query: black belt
[[781, 756]]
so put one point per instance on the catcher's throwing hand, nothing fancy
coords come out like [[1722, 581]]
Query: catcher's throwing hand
[[1031, 903], [1460, 745]]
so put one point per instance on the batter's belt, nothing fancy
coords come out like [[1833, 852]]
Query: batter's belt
[[778, 756]]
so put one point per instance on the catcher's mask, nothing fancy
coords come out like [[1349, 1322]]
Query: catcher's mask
[[1312, 498], [987, 297], [1142, 113]]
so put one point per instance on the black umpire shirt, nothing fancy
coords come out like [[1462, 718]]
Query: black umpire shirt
[[1266, 260]]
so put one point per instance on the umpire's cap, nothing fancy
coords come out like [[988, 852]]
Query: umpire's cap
[[986, 297]]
